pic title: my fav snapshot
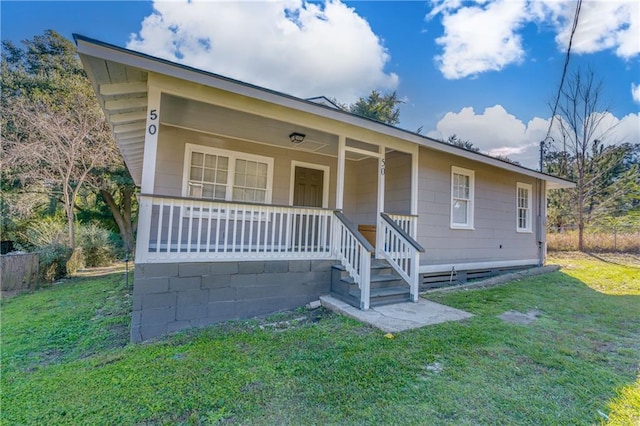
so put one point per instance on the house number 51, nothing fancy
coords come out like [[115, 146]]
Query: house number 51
[[153, 116]]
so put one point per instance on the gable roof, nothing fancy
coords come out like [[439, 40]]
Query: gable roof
[[111, 68]]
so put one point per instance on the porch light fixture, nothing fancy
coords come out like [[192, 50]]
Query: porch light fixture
[[296, 138]]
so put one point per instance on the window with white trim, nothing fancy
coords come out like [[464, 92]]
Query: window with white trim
[[219, 174], [523, 207], [462, 191]]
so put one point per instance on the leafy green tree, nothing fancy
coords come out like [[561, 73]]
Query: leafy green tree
[[379, 107], [461, 143], [118, 191]]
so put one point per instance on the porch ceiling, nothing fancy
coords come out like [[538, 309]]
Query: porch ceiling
[[225, 122]]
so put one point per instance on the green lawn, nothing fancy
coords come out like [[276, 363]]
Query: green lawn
[[65, 360]]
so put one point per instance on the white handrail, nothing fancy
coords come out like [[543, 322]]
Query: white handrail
[[407, 222], [401, 251], [354, 252], [178, 229]]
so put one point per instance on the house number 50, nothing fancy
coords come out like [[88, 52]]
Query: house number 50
[[382, 165], [153, 116]]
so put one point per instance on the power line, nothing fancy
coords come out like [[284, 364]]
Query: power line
[[562, 78]]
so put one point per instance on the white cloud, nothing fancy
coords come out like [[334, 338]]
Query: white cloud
[[479, 38], [485, 35], [628, 129], [602, 25], [497, 132], [635, 92], [287, 45]]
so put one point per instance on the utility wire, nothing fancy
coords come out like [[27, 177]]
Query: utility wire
[[564, 69]]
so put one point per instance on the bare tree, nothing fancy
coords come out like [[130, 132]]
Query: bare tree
[[581, 153], [62, 136]]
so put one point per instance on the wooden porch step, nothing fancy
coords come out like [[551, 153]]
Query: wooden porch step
[[385, 296], [386, 286], [375, 265], [375, 278]]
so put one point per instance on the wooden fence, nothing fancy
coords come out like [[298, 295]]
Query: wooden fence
[[19, 271]]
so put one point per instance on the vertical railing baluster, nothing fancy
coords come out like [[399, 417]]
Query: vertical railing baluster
[[200, 228], [181, 221], [259, 244], [209, 219], [170, 226], [189, 232], [288, 231], [280, 229], [159, 224], [234, 236], [219, 218], [306, 232], [252, 215], [227, 214]]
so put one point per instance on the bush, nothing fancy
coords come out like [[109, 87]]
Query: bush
[[76, 261], [53, 261], [96, 245], [46, 232]]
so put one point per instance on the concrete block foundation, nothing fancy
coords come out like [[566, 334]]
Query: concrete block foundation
[[176, 296]]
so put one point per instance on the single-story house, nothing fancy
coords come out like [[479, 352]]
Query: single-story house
[[253, 201]]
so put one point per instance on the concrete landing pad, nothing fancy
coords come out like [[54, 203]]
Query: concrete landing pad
[[398, 316]]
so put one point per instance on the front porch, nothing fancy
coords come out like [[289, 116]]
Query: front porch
[[223, 181], [181, 230]]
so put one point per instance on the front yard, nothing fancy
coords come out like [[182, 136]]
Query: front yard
[[66, 360]]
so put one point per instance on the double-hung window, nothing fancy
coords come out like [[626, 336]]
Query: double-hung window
[[462, 193], [523, 207], [218, 174]]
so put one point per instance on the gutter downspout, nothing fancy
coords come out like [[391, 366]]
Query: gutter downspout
[[541, 222]]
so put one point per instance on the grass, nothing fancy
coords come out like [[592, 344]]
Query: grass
[[65, 360]]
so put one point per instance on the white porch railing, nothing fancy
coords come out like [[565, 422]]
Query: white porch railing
[[407, 222], [354, 252], [401, 251], [179, 229]]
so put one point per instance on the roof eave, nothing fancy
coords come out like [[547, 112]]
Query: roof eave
[[96, 48]]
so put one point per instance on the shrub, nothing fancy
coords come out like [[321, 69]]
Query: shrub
[[76, 261], [53, 261], [46, 232], [96, 245]]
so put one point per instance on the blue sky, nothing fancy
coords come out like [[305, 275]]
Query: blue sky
[[484, 70]]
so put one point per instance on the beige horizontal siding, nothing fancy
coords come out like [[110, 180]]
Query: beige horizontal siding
[[170, 162], [494, 237]]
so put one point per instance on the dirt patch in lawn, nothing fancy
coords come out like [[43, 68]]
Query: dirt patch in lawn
[[521, 318]]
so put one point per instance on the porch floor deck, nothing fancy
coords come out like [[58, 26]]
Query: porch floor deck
[[398, 316]]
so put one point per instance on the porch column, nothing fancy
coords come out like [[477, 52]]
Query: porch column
[[151, 140], [415, 174], [148, 173], [380, 206], [342, 143]]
